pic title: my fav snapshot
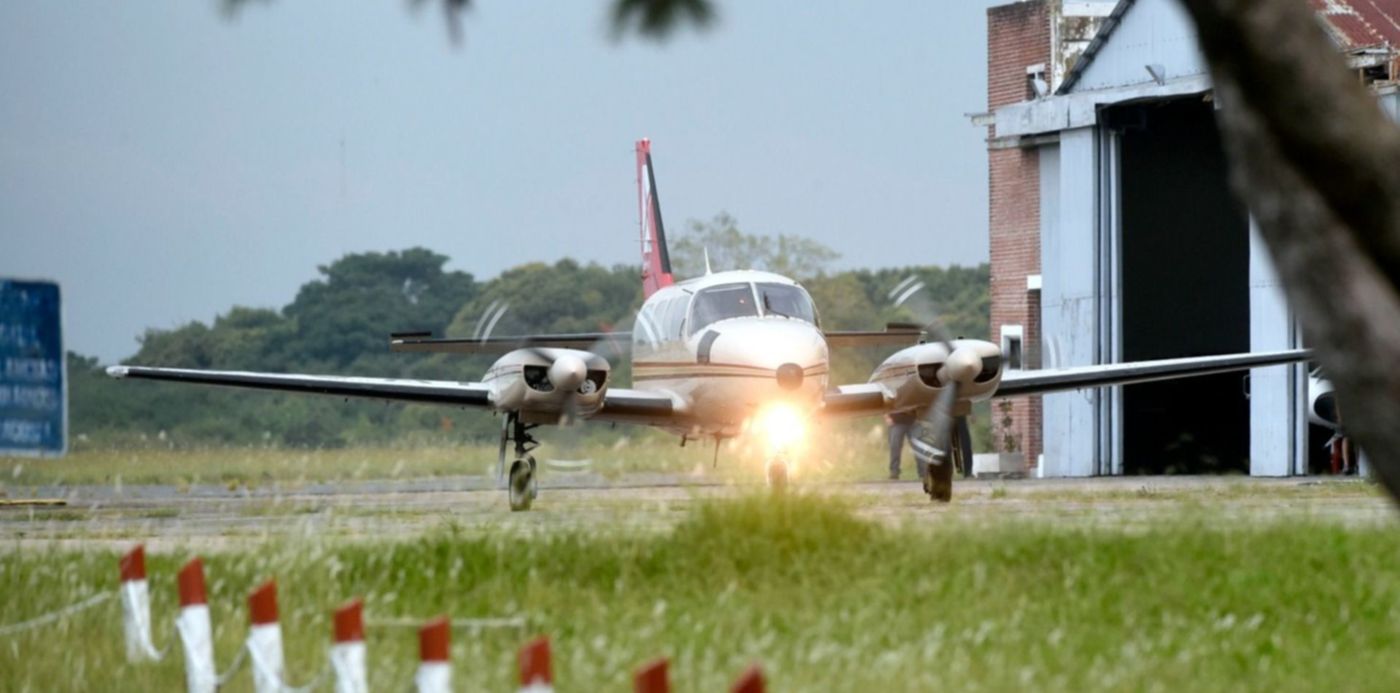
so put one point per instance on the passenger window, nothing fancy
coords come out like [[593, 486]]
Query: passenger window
[[647, 333], [675, 317]]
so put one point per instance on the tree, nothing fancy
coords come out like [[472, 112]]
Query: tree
[[363, 297], [1318, 164], [563, 297], [654, 19], [730, 249]]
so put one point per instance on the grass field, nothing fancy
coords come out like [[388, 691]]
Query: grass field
[[844, 454], [825, 600]]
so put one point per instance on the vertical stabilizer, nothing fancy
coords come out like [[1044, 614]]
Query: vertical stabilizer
[[656, 259]]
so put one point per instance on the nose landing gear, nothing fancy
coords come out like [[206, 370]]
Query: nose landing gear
[[522, 487], [777, 474]]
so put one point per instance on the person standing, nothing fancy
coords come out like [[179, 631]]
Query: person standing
[[900, 424]]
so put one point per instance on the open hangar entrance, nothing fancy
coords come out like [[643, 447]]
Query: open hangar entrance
[[1184, 287]]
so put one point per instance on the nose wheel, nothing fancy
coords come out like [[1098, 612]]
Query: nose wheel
[[777, 475]]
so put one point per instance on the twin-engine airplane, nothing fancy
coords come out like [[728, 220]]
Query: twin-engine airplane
[[712, 356]]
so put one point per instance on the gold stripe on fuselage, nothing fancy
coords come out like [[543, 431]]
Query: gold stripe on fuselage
[[679, 370]]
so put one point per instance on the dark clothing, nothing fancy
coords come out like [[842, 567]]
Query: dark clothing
[[906, 418], [903, 424], [898, 432]]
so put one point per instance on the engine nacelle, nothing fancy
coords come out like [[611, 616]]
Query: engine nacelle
[[548, 380], [915, 375], [1322, 401]]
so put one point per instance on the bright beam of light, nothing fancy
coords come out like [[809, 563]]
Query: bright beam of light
[[784, 427]]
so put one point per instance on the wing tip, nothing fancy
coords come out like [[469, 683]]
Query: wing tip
[[117, 371]]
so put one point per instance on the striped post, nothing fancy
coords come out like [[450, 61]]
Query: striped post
[[536, 676], [136, 606], [265, 639], [652, 678], [348, 652], [196, 635], [750, 682], [434, 669]]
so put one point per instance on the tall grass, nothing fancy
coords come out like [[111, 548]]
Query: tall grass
[[826, 601]]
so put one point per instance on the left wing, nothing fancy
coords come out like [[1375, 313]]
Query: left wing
[[870, 399], [1054, 380]]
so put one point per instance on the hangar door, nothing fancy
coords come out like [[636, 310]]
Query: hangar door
[[1185, 288]]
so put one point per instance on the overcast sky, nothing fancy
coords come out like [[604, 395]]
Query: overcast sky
[[164, 162]]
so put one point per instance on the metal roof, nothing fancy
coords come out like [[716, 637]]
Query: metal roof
[[1110, 23], [1356, 24], [1353, 25]]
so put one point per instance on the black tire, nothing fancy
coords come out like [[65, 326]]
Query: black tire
[[520, 487], [777, 475], [939, 484]]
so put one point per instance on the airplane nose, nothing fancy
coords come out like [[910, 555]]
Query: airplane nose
[[567, 373], [789, 376]]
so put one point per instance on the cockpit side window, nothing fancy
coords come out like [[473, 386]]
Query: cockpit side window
[[786, 301], [721, 303], [674, 317]]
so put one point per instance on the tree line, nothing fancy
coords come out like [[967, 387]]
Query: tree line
[[339, 323]]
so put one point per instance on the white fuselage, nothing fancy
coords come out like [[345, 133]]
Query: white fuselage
[[728, 344]]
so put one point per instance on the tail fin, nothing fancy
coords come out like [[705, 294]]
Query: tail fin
[[656, 259]]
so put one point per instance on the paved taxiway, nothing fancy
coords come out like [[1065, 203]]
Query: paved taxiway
[[207, 518]]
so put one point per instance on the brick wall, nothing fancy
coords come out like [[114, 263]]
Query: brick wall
[[1018, 36]]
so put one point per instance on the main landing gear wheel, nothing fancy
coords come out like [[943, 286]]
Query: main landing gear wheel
[[938, 477], [777, 475], [523, 487], [938, 481]]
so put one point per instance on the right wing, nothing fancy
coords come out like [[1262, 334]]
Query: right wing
[[393, 389], [644, 407], [622, 405]]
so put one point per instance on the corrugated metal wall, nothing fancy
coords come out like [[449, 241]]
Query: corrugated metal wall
[[1153, 32]]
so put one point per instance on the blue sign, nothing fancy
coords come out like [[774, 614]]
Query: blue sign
[[33, 380]]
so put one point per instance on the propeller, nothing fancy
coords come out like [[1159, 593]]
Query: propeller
[[947, 428], [569, 372]]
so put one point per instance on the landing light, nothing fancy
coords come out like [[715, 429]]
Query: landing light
[[784, 426]]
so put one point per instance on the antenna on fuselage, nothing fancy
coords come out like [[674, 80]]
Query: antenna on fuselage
[[708, 271]]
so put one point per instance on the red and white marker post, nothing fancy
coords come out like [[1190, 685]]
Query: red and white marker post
[[751, 681], [434, 668], [348, 652], [136, 606], [265, 639], [536, 675], [652, 678], [196, 634]]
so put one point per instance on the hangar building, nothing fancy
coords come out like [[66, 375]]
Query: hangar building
[[1114, 237]]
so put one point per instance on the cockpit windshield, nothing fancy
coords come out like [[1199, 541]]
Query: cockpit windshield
[[786, 301], [721, 303]]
